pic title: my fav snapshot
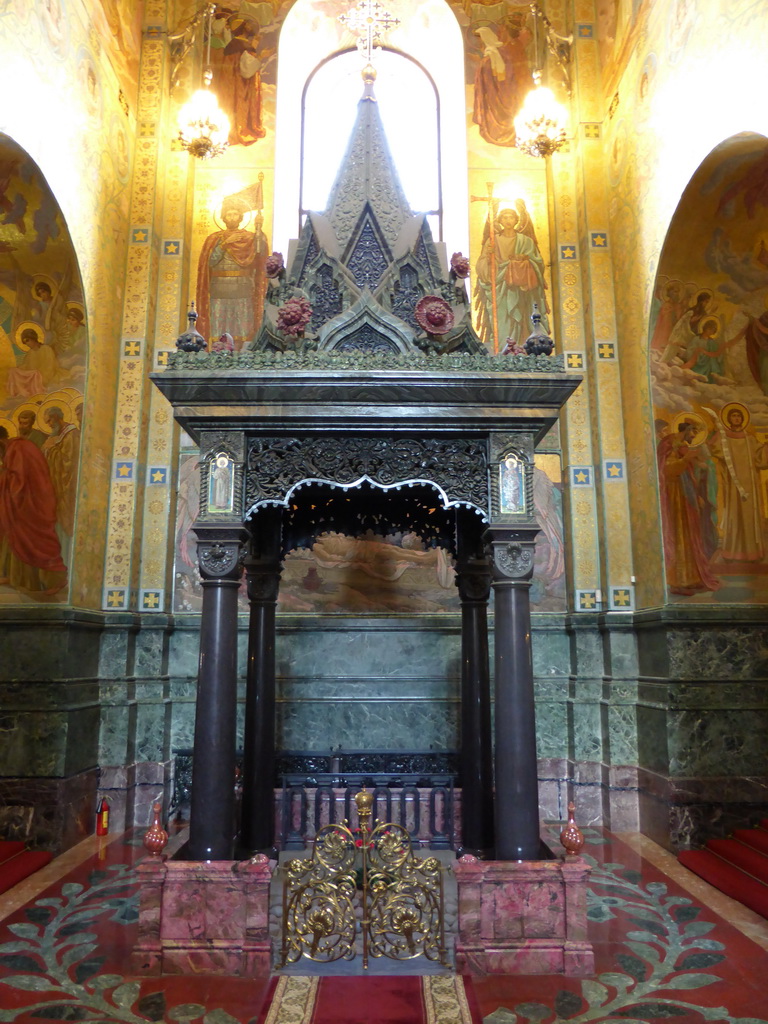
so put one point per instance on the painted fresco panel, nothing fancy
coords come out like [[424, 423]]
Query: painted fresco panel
[[43, 352], [708, 350], [397, 573]]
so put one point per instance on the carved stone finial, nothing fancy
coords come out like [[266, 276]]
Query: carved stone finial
[[571, 838], [538, 341], [191, 340]]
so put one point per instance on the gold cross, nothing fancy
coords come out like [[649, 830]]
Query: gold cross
[[368, 20]]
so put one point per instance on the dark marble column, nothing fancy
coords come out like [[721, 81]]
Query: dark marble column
[[473, 578], [517, 791], [263, 569], [213, 779]]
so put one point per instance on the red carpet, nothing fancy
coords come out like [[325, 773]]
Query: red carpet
[[738, 866], [17, 866], [434, 999], [9, 848]]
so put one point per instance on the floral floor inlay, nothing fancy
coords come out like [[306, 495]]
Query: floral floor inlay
[[660, 956]]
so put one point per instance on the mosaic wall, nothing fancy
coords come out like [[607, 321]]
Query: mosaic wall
[[43, 356], [709, 373], [667, 112], [68, 180]]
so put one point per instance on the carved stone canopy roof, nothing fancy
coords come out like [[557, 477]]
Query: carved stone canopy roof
[[365, 262]]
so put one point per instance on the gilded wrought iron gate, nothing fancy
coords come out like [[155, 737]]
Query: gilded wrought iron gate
[[364, 883]]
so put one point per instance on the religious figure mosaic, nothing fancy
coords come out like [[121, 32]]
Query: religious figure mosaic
[[43, 350], [709, 367]]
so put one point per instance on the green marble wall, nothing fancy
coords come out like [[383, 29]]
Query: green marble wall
[[653, 721]]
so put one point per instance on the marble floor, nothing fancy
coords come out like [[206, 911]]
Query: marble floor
[[667, 945]]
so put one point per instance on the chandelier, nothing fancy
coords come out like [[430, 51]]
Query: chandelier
[[540, 125], [541, 121], [203, 127]]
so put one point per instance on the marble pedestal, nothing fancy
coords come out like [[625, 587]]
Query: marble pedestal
[[523, 917], [203, 917]]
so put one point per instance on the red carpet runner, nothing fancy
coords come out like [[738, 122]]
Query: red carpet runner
[[16, 862], [435, 999], [738, 866]]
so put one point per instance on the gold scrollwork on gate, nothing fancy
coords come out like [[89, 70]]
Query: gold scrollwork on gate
[[365, 883]]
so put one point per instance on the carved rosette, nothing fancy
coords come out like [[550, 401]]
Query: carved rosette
[[458, 467]]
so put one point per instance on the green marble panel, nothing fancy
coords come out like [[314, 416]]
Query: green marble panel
[[33, 744], [587, 731], [620, 648], [151, 731], [587, 651], [552, 732], [551, 652], [723, 653], [150, 654], [114, 730], [713, 695], [114, 653], [82, 750], [620, 725], [358, 689], [368, 725], [652, 749], [723, 743], [361, 653], [182, 725]]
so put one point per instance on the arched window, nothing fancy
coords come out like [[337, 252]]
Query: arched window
[[329, 108], [319, 86]]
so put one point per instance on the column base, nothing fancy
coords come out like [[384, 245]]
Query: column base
[[203, 917], [523, 917]]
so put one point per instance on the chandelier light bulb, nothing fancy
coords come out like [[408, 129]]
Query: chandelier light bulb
[[203, 127], [540, 124]]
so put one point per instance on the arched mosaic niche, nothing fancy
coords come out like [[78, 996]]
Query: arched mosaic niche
[[708, 357], [43, 359]]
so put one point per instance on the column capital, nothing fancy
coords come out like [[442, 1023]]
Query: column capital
[[263, 580], [512, 552], [219, 551], [473, 579]]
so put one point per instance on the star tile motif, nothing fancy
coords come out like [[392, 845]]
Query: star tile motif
[[614, 469], [581, 476], [139, 236], [124, 470], [567, 252], [157, 475]]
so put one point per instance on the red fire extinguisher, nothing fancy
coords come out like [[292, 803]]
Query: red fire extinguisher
[[102, 818]]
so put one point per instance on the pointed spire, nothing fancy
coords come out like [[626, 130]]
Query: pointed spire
[[367, 172]]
